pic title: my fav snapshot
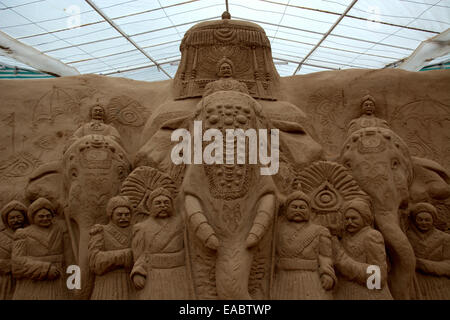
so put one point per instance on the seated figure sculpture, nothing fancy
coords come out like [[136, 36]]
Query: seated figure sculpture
[[14, 217], [110, 255], [360, 247], [304, 266], [432, 249], [97, 126], [367, 118], [225, 72], [159, 270], [39, 255]]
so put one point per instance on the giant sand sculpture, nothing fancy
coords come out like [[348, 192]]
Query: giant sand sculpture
[[227, 182]]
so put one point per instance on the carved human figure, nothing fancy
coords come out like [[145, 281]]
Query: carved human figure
[[225, 72], [367, 118], [39, 255], [361, 246], [304, 265], [97, 125], [14, 217], [159, 271], [432, 249], [225, 68], [110, 255], [229, 209]]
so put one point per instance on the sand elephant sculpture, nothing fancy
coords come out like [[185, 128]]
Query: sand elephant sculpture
[[230, 209], [381, 163], [93, 169]]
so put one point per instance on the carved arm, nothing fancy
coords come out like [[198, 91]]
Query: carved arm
[[101, 261], [264, 217], [23, 266], [198, 222]]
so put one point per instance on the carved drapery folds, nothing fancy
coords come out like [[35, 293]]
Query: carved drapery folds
[[244, 43]]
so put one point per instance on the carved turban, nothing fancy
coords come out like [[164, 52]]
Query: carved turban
[[298, 195], [97, 105], [362, 207], [367, 97], [423, 207], [117, 202], [40, 203], [222, 61], [11, 206], [159, 192]]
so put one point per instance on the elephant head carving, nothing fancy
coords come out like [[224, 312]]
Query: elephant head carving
[[381, 163], [93, 169]]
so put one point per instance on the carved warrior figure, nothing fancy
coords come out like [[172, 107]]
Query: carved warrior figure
[[230, 209], [432, 249], [304, 266], [360, 247], [159, 270], [97, 125], [110, 255], [39, 255], [14, 216], [367, 118]]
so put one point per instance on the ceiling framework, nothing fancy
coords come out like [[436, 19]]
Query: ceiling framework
[[139, 39]]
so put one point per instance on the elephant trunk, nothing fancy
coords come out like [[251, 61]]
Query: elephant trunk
[[232, 271], [87, 278], [401, 253]]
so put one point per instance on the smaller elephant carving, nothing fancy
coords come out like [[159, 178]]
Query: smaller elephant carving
[[381, 163]]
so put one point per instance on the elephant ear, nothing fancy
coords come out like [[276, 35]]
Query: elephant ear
[[46, 181], [431, 181], [177, 123]]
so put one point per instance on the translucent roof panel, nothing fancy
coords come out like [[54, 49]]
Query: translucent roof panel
[[130, 38]]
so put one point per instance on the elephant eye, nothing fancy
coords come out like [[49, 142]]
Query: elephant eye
[[348, 164], [395, 163], [74, 173]]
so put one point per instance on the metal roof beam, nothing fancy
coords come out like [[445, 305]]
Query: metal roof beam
[[320, 33], [118, 29], [351, 16], [350, 6], [34, 58]]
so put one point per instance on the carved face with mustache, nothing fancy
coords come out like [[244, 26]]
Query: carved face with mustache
[[161, 207], [298, 211]]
